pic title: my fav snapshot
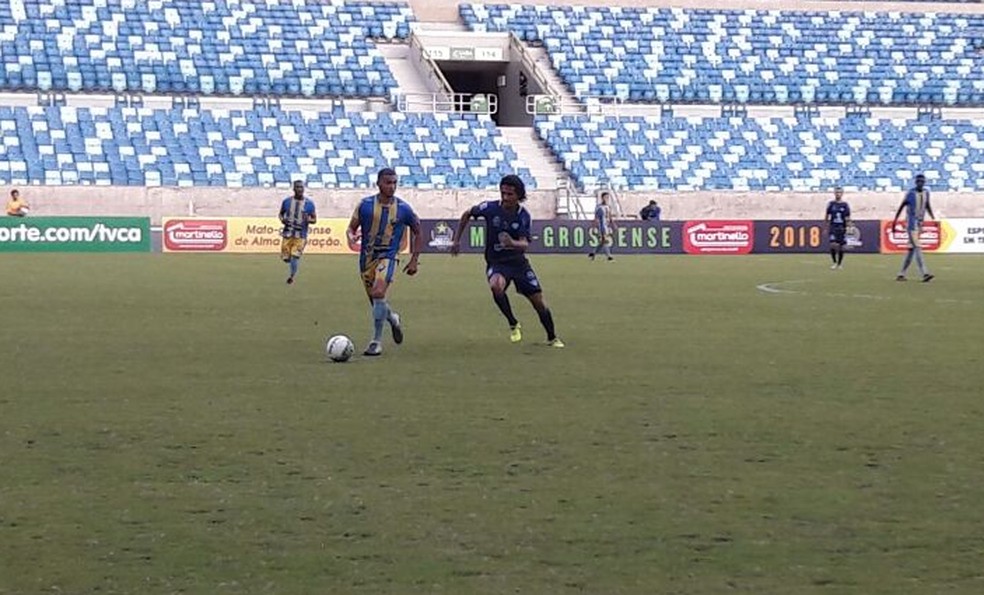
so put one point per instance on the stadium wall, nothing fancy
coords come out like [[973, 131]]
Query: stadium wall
[[159, 202]]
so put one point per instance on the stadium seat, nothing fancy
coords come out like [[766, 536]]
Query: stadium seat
[[756, 53], [800, 153], [196, 147], [175, 44]]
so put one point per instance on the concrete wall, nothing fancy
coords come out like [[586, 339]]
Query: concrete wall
[[443, 204]]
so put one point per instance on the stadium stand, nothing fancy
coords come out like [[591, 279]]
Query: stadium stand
[[752, 153], [262, 146], [214, 47], [661, 55]]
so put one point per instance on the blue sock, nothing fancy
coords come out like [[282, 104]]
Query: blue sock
[[294, 262], [380, 312]]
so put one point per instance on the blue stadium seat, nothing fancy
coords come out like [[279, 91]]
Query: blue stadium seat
[[692, 50], [268, 145], [179, 43], [747, 153]]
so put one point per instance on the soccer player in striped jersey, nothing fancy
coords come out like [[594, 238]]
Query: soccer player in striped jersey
[[381, 221], [838, 217], [916, 205], [297, 212]]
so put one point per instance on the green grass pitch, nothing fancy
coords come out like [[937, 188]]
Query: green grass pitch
[[169, 424]]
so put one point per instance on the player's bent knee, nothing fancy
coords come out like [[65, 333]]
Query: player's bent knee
[[497, 284], [378, 291]]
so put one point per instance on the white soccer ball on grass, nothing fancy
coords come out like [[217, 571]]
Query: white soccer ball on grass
[[339, 348]]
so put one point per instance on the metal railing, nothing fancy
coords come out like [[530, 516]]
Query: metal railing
[[468, 103], [541, 105]]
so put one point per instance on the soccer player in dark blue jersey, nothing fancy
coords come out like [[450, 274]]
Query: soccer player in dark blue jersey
[[838, 217], [380, 222], [507, 236], [297, 212], [916, 205]]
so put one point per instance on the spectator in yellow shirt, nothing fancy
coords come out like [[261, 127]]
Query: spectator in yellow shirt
[[17, 207]]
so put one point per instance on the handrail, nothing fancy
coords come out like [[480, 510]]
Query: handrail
[[426, 64], [467, 103], [516, 45], [555, 104]]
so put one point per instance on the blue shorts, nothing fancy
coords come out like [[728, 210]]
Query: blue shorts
[[838, 234], [521, 274]]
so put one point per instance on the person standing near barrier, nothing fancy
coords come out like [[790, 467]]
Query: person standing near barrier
[[297, 212], [606, 227], [837, 218], [507, 237], [916, 205]]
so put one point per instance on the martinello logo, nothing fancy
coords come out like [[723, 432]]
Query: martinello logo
[[75, 234], [718, 237]]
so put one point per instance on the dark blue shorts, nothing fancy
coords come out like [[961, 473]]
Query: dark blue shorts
[[838, 234], [521, 274]]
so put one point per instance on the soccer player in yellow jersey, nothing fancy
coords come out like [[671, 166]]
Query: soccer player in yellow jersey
[[381, 222], [297, 212]]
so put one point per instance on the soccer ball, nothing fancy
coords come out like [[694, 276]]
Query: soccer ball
[[340, 348]]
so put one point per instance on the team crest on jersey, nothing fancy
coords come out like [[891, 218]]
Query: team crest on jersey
[[515, 225]]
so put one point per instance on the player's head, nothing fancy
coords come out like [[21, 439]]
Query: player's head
[[14, 194], [838, 193], [386, 181], [652, 203], [512, 190], [604, 198], [920, 181], [298, 189]]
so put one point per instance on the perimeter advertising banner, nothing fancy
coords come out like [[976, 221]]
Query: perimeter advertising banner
[[74, 234], [258, 235], [962, 235], [562, 236], [708, 237], [772, 237], [952, 236], [895, 238]]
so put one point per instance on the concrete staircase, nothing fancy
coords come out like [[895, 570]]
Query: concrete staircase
[[534, 154], [408, 78], [539, 56]]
